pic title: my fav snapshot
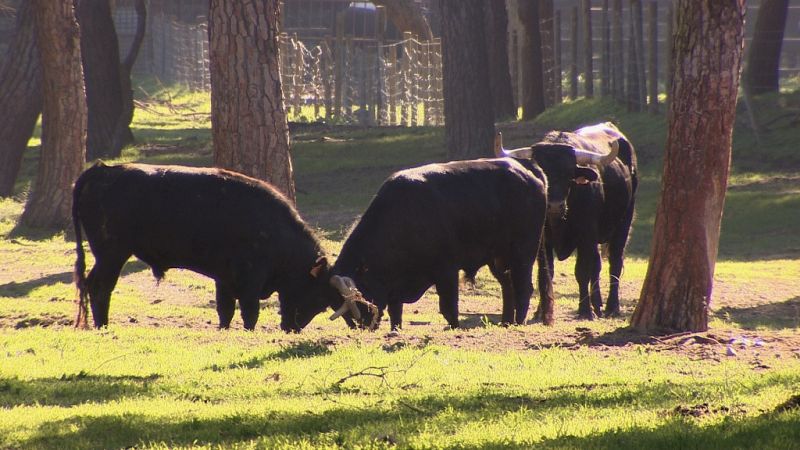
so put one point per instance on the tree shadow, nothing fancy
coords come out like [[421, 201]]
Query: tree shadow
[[22, 289], [774, 316], [299, 350], [70, 390], [369, 424]]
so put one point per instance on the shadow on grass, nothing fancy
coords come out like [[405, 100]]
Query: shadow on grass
[[302, 349], [69, 390], [774, 316], [22, 289], [398, 421]]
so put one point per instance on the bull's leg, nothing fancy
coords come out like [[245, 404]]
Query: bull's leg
[[521, 273], [616, 254], [100, 283], [545, 283], [447, 288], [503, 276], [396, 315], [250, 307], [587, 273], [226, 305]]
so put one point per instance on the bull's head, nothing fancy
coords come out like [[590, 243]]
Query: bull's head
[[354, 308], [564, 165]]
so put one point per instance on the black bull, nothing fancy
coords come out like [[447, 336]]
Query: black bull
[[593, 208], [234, 229], [427, 224]]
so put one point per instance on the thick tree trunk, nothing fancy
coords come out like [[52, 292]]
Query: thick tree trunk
[[64, 114], [248, 117], [20, 97], [764, 56], [707, 54], [468, 105], [122, 132], [406, 16], [499, 73], [100, 52], [533, 102]]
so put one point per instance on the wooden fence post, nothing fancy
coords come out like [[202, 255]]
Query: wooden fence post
[[605, 58], [617, 53], [327, 73], [349, 57], [298, 73], [573, 68], [405, 82], [557, 55], [587, 49], [652, 69], [437, 73]]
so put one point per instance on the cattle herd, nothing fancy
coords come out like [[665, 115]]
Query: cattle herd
[[571, 192]]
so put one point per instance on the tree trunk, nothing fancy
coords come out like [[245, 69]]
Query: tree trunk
[[764, 56], [652, 58], [532, 71], [20, 97], [632, 88], [605, 59], [64, 116], [468, 105], [707, 50], [100, 52], [122, 132], [573, 53], [248, 117], [499, 73], [406, 16]]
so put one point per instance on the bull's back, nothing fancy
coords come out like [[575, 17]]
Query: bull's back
[[201, 219]]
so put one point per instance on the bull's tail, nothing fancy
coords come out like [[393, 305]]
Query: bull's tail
[[82, 317]]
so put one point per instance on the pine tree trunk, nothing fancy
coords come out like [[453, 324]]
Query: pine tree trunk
[[532, 71], [468, 105], [764, 56], [100, 53], [122, 132], [248, 118], [20, 97], [64, 116], [632, 87], [707, 49], [617, 53], [497, 46], [652, 58]]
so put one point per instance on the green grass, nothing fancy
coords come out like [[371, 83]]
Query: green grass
[[162, 376]]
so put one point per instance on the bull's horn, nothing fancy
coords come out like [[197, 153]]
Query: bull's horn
[[583, 157], [498, 145], [347, 288]]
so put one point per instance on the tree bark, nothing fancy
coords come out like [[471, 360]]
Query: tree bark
[[122, 131], [764, 56], [100, 53], [20, 97], [499, 73], [533, 102], [406, 16], [605, 59], [248, 118], [64, 115], [573, 53], [652, 58], [468, 105], [707, 48], [632, 89]]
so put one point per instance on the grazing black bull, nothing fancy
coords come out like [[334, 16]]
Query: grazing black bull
[[427, 223], [237, 230], [591, 201]]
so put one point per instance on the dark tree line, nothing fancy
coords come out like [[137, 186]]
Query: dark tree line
[[107, 85]]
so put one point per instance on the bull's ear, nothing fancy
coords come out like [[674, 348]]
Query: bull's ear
[[584, 175], [320, 266]]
